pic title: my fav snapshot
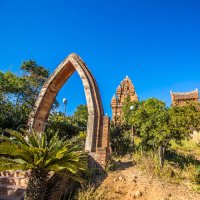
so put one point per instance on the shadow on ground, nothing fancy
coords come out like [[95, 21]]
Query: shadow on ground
[[120, 165], [182, 160]]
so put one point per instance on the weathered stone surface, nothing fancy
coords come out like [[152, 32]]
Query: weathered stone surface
[[12, 185]]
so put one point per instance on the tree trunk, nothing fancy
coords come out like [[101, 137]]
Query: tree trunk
[[57, 185], [132, 132], [161, 155], [37, 184]]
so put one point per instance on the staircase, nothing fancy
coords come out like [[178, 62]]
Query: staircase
[[13, 185]]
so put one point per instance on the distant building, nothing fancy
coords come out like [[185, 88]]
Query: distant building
[[124, 90], [182, 98]]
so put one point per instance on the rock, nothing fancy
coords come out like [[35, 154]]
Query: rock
[[117, 188], [121, 178], [135, 194], [138, 194], [132, 194], [165, 198], [133, 180], [134, 176], [169, 195], [119, 191]]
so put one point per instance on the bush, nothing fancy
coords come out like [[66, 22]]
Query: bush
[[176, 169], [121, 143]]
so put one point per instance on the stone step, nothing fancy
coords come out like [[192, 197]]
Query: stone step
[[16, 173], [19, 181], [11, 190], [4, 197], [13, 184]]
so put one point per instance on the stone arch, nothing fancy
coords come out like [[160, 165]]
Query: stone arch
[[97, 139]]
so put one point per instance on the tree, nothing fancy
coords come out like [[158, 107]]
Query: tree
[[68, 126], [24, 89], [41, 155], [81, 117], [35, 76], [120, 139], [19, 93], [157, 125], [65, 126]]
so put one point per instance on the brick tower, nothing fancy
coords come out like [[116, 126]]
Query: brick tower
[[124, 90]]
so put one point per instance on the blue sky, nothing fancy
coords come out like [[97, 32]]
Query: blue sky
[[156, 43]]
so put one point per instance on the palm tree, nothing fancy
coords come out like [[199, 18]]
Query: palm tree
[[41, 155]]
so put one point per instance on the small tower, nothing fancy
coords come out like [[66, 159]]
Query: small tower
[[124, 90], [114, 107], [182, 98]]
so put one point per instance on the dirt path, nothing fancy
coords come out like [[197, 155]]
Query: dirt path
[[129, 183]]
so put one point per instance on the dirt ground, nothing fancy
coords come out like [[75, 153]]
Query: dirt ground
[[128, 182]]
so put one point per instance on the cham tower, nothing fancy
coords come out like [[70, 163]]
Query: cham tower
[[124, 90], [182, 98]]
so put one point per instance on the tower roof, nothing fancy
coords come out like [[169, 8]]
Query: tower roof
[[119, 89], [114, 99], [124, 90], [185, 95]]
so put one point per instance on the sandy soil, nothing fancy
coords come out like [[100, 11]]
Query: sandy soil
[[128, 182]]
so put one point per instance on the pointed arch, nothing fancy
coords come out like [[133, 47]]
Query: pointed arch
[[52, 86]]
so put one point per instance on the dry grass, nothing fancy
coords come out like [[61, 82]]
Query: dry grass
[[177, 170], [187, 147], [89, 193]]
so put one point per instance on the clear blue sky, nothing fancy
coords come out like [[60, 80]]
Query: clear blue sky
[[155, 42]]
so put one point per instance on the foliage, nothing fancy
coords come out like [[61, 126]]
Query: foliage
[[24, 89], [17, 98], [34, 150], [13, 116], [19, 93], [68, 126], [150, 119], [157, 125], [81, 117], [186, 147], [65, 126], [89, 192], [40, 154], [175, 169], [120, 140]]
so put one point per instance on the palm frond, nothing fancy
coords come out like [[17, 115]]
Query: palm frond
[[67, 167], [35, 152], [14, 166], [33, 139], [4, 161], [9, 148], [17, 136]]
